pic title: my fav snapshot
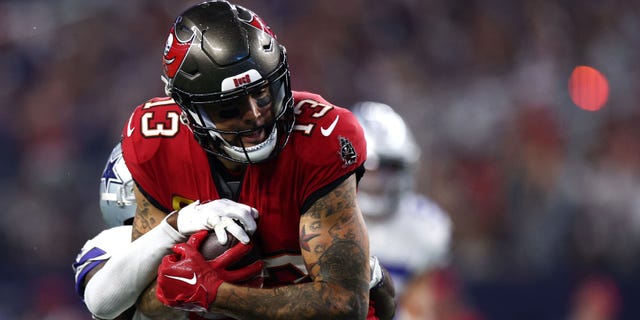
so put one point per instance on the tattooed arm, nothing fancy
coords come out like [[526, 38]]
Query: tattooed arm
[[152, 308], [335, 248], [146, 218], [129, 270]]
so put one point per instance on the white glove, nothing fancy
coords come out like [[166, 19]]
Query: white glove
[[220, 216], [376, 272]]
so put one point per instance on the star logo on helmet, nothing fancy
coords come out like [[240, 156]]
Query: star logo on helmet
[[109, 175]]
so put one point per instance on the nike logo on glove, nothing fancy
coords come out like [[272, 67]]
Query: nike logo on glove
[[326, 132], [191, 281]]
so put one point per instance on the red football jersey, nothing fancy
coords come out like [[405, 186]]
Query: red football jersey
[[326, 145]]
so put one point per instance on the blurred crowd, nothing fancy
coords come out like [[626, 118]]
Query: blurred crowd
[[544, 196]]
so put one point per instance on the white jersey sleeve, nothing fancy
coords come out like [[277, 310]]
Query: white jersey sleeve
[[117, 286], [97, 250]]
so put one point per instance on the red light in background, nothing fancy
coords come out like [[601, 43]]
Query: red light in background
[[588, 88]]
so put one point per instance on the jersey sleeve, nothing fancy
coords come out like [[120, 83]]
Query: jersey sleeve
[[330, 142], [97, 250], [157, 147]]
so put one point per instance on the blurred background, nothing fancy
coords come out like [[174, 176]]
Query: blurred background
[[539, 170]]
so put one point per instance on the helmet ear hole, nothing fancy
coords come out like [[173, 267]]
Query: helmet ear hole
[[268, 45]]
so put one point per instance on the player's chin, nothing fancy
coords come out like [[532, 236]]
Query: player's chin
[[254, 138]]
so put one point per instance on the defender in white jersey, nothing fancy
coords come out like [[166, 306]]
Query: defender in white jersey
[[409, 233], [117, 205], [106, 296]]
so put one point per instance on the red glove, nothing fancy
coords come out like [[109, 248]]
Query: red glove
[[186, 281]]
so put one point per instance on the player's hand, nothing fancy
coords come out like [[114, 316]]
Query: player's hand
[[382, 294], [220, 216], [186, 281]]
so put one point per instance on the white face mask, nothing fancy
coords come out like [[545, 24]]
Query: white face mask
[[255, 153], [235, 151]]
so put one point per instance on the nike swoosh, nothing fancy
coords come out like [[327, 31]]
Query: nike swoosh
[[191, 281], [326, 132], [129, 129]]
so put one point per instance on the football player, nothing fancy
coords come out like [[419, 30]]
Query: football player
[[409, 233], [232, 128], [117, 205]]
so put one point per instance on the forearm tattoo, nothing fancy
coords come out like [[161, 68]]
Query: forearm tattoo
[[334, 235], [341, 256], [151, 307]]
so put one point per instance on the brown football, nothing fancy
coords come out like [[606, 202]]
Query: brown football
[[211, 248]]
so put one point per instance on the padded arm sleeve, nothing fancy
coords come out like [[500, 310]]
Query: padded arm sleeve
[[116, 287]]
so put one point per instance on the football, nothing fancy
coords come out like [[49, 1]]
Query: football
[[211, 248]]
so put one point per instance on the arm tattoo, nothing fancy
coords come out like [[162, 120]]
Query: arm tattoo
[[342, 258], [305, 238], [152, 308], [334, 242], [144, 219]]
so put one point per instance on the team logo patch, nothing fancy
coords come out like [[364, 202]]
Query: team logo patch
[[347, 152]]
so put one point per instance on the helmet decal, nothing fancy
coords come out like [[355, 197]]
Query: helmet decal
[[242, 79], [117, 199], [175, 50], [259, 24], [110, 175]]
